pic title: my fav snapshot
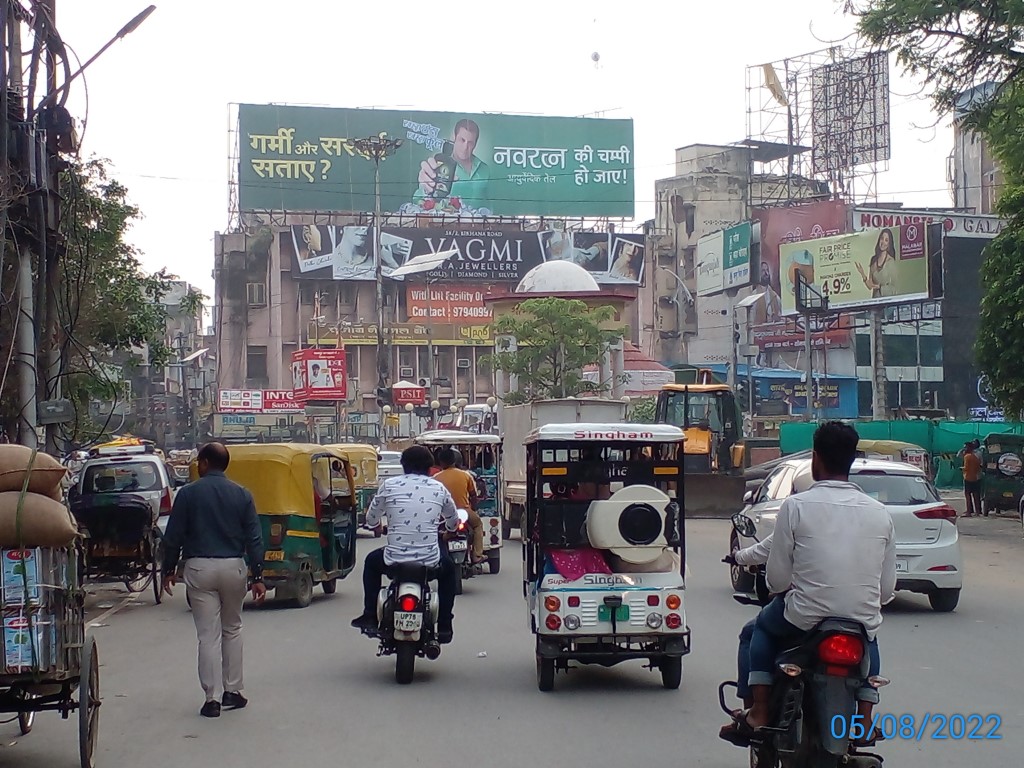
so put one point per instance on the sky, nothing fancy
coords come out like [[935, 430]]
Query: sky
[[156, 104]]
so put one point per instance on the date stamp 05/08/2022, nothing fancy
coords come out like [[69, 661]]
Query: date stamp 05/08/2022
[[927, 727]]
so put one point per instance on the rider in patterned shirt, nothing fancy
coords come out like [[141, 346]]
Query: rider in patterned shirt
[[414, 504]]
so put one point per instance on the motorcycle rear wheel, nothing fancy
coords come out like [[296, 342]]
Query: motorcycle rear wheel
[[405, 662]]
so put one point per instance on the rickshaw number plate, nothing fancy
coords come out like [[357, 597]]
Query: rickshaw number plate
[[604, 613], [457, 546], [408, 622], [901, 566], [276, 554]]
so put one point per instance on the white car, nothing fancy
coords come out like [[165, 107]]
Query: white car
[[128, 469], [389, 465], [928, 559]]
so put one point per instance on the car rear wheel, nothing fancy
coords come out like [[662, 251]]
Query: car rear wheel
[[944, 600]]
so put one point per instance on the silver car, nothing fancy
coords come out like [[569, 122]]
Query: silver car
[[928, 559], [125, 470]]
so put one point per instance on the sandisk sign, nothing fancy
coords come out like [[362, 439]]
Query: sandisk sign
[[258, 401]]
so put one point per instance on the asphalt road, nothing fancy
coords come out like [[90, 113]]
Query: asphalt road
[[320, 696]]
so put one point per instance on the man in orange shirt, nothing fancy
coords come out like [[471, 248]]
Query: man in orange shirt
[[462, 487], [972, 477]]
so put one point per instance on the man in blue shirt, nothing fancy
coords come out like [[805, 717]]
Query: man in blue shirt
[[213, 525]]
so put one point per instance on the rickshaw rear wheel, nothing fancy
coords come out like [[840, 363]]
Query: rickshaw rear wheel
[[405, 662], [158, 572], [89, 704], [494, 561], [458, 580], [330, 586], [545, 674], [303, 590], [671, 671], [506, 529]]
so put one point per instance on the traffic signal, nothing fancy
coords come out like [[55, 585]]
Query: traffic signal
[[384, 397]]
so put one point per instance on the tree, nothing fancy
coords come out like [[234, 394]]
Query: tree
[[957, 45], [555, 340], [108, 311], [643, 411]]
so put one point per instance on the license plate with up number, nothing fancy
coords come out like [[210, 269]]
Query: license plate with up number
[[901, 566], [457, 546], [274, 555], [408, 622]]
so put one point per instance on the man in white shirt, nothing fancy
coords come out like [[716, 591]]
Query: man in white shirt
[[834, 550], [414, 504]]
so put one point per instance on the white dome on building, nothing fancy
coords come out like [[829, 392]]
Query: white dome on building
[[558, 277]]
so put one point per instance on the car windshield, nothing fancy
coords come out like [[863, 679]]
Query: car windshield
[[390, 457], [896, 490], [118, 478]]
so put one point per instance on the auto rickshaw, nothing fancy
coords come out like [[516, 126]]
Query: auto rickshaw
[[363, 459], [897, 450], [481, 455], [306, 502], [604, 547], [1002, 474]]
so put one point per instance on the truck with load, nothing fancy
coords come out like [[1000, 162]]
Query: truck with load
[[517, 421]]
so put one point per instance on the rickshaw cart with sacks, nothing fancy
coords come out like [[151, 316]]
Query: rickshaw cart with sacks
[[49, 663], [604, 547]]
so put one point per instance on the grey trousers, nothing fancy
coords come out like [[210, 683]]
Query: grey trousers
[[216, 588]]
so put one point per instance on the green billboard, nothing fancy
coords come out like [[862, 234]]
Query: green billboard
[[305, 159]]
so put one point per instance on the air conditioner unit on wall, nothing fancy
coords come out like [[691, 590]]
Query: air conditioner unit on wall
[[464, 362], [423, 381]]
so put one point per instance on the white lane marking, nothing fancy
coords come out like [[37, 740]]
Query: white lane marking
[[108, 613]]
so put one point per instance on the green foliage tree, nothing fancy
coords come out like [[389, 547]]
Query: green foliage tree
[[108, 309], [555, 340], [643, 411], [956, 45]]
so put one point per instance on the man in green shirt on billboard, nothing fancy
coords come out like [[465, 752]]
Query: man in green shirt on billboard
[[455, 172]]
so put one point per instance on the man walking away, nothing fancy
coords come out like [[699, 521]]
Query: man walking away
[[972, 477], [462, 487], [212, 525]]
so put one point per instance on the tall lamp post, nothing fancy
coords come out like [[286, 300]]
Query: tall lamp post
[[378, 148]]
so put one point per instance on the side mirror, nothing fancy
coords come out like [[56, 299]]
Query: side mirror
[[463, 516], [745, 599], [743, 525], [748, 497]]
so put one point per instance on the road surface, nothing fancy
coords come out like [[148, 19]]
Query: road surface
[[320, 696]]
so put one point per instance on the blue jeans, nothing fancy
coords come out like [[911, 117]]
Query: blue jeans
[[759, 646]]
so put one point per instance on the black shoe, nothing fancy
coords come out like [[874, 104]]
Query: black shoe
[[365, 622], [210, 709], [233, 700], [445, 635]]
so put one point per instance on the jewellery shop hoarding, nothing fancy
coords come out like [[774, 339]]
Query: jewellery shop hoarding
[[326, 252], [859, 270], [294, 158]]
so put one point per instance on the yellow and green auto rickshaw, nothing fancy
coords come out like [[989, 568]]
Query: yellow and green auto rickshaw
[[305, 498], [363, 459]]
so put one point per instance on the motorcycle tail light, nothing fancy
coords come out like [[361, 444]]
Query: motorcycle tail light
[[462, 527], [553, 622], [552, 603], [408, 603], [841, 650], [673, 621], [877, 681], [790, 669]]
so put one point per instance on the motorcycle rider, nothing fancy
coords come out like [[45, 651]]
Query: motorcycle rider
[[833, 549], [413, 503], [462, 487]]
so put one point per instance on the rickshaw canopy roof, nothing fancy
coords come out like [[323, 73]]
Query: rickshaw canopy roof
[[363, 458], [455, 437], [604, 433], [279, 475]]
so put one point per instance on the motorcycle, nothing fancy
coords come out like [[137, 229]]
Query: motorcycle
[[458, 545], [813, 695]]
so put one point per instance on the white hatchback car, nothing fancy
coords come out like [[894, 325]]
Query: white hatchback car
[[928, 559]]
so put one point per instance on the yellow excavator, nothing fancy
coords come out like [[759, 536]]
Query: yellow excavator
[[708, 414]]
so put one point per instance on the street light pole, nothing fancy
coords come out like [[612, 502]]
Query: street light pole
[[378, 148]]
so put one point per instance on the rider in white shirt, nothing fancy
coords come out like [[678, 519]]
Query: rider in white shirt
[[833, 554]]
